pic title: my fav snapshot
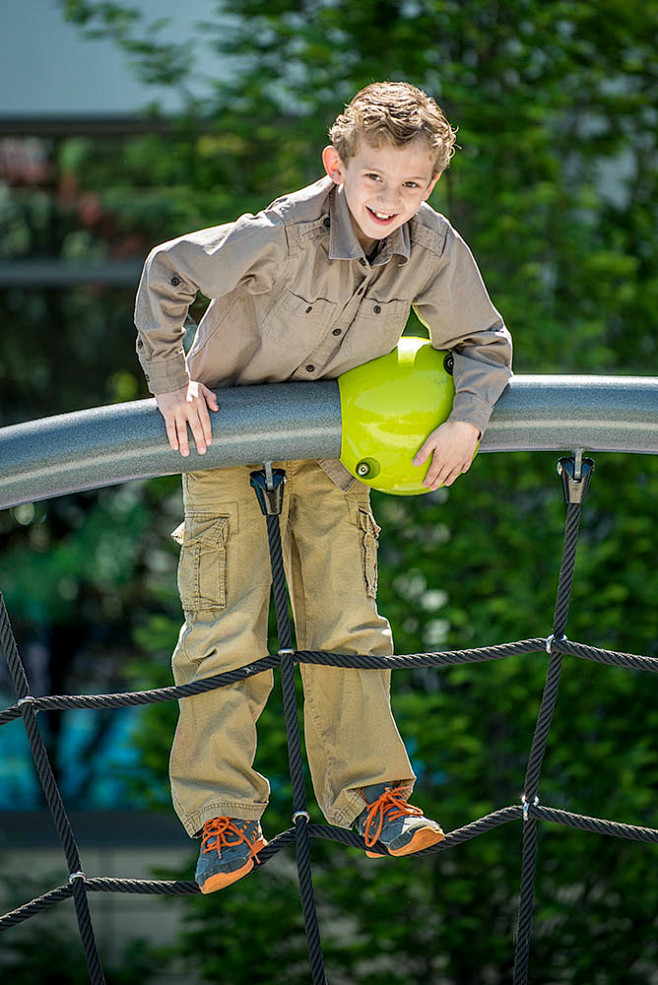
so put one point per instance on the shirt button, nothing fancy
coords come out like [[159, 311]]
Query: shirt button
[[336, 331], [310, 368], [377, 309], [140, 343], [175, 280], [327, 222], [310, 308], [362, 261]]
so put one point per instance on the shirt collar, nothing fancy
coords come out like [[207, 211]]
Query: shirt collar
[[343, 242]]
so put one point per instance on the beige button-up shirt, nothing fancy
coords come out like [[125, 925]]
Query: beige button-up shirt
[[293, 297]]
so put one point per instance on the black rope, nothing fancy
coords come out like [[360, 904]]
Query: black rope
[[505, 815], [124, 699], [529, 811], [565, 579], [447, 658], [540, 738], [610, 657], [133, 698], [295, 761], [53, 797]]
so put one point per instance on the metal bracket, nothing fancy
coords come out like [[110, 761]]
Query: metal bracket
[[575, 474], [551, 639], [268, 484], [526, 805]]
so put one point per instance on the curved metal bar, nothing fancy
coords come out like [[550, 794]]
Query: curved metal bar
[[105, 445], [284, 421], [569, 413]]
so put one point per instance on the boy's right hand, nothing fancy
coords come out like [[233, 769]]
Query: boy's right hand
[[189, 405]]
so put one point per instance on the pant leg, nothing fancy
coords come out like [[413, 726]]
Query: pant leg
[[224, 582], [351, 736]]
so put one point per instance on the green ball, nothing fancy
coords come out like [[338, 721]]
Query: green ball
[[389, 406]]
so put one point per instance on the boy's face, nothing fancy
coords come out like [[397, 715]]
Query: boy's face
[[384, 186]]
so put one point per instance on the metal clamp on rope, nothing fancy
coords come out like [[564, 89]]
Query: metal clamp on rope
[[27, 700], [575, 474], [526, 805], [285, 652], [299, 814], [550, 640], [77, 875], [268, 484]]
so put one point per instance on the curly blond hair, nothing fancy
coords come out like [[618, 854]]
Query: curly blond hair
[[395, 112]]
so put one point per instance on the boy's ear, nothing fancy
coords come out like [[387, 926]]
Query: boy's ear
[[430, 187], [333, 164]]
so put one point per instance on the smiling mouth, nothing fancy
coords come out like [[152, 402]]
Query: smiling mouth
[[381, 216]]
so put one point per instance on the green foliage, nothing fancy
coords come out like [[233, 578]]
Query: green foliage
[[555, 189], [52, 956]]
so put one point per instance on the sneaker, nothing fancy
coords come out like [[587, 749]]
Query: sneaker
[[228, 849], [389, 819]]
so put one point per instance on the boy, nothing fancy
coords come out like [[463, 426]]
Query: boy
[[319, 282]]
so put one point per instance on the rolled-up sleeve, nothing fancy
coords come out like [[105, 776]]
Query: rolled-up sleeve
[[213, 261], [459, 315]]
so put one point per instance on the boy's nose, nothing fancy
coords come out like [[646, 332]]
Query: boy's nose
[[388, 204]]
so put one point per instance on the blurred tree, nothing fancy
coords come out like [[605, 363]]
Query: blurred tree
[[555, 190]]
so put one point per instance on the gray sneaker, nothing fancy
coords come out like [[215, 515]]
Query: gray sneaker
[[389, 819], [229, 846]]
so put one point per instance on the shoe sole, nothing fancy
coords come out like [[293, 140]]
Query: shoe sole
[[424, 838], [223, 879]]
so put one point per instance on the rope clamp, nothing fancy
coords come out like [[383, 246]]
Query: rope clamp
[[77, 875], [299, 814], [526, 805], [27, 700], [575, 474], [551, 639], [268, 484]]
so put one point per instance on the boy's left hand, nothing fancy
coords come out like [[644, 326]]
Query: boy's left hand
[[452, 447]]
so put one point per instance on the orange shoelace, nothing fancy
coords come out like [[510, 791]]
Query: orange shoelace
[[217, 835], [389, 806]]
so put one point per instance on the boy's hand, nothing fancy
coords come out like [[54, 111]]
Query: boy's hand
[[452, 447], [189, 405]]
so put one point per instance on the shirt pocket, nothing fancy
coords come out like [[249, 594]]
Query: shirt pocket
[[376, 328], [297, 321], [202, 562]]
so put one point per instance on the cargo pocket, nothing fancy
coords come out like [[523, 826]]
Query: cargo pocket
[[202, 561], [370, 532]]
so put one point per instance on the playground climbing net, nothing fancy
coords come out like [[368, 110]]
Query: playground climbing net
[[269, 486]]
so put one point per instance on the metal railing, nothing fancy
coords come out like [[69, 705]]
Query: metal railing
[[288, 421]]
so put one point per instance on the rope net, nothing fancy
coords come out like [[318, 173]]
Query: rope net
[[268, 484]]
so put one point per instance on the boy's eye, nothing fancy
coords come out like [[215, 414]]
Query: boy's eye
[[374, 177], [411, 184]]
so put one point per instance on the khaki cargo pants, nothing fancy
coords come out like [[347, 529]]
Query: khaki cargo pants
[[330, 552]]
